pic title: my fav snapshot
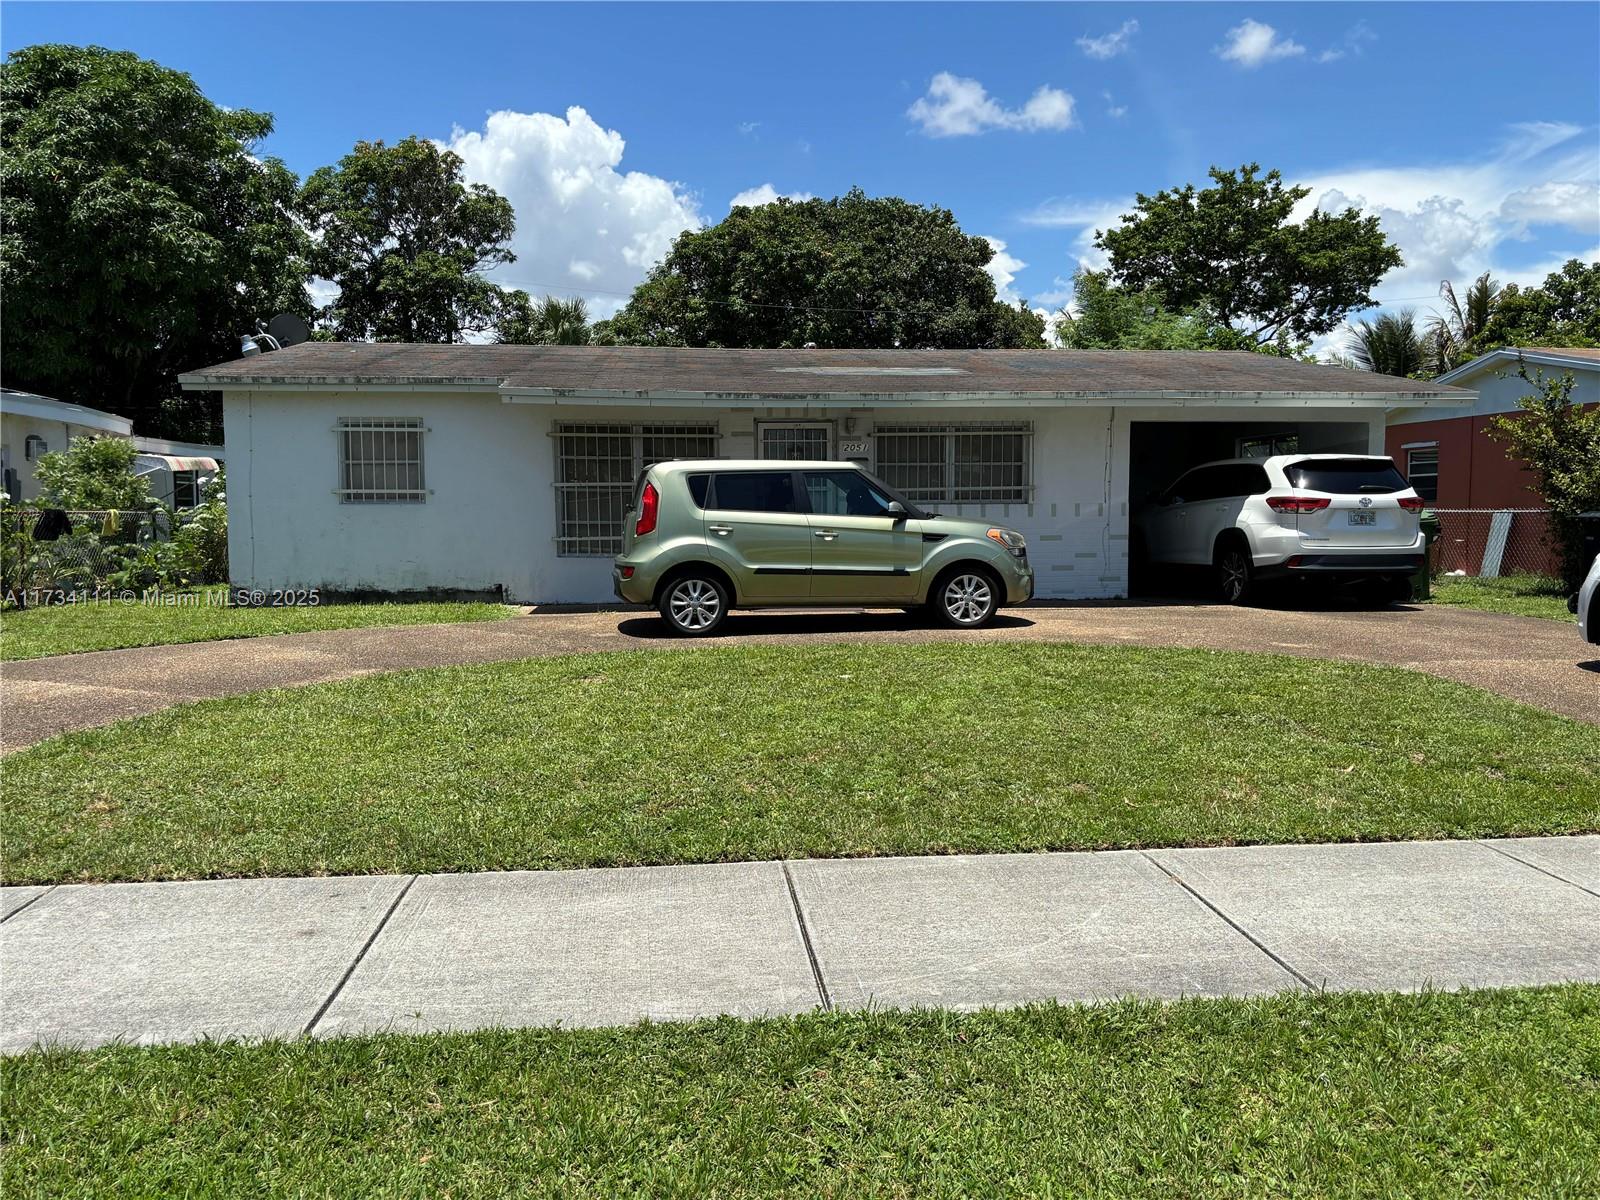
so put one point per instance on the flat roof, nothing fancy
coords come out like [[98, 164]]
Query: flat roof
[[624, 373]]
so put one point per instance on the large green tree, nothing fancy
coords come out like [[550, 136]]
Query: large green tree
[[854, 271], [1233, 248], [1107, 317], [139, 235], [406, 241], [1563, 311]]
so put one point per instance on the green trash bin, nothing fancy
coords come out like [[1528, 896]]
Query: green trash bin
[[1430, 533]]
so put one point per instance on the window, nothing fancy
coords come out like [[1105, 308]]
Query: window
[[1266, 445], [380, 461], [699, 486], [755, 491], [596, 470], [844, 494], [1345, 476], [185, 489], [1422, 466], [978, 463]]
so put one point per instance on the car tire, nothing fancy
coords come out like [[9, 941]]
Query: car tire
[[1233, 572], [694, 604], [965, 598]]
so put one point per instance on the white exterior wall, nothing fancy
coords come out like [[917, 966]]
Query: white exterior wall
[[15, 429], [489, 522]]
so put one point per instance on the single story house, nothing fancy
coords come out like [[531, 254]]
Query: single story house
[[505, 470], [33, 425], [1449, 454], [1458, 466]]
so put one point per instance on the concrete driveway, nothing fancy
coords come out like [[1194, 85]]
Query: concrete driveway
[[1535, 661]]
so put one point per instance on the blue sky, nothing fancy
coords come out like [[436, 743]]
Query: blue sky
[[1472, 130]]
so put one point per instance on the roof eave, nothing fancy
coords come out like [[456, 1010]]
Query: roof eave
[[1541, 358], [1132, 398]]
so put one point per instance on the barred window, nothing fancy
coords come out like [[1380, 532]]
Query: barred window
[[596, 466], [380, 461], [979, 463]]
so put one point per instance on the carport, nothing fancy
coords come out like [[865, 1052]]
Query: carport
[[1161, 450]]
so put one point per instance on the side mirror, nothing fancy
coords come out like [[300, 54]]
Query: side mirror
[[896, 511]]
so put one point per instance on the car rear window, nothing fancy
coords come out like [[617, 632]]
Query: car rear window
[[698, 485], [756, 491], [1346, 476]]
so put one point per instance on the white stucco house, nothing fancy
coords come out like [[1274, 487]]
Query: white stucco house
[[32, 425], [504, 470]]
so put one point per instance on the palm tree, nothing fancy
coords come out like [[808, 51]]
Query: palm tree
[[562, 322], [1389, 345], [1450, 336]]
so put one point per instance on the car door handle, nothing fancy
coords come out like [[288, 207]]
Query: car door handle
[[826, 535], [720, 530]]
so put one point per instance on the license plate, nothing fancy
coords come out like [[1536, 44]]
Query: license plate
[[1363, 518]]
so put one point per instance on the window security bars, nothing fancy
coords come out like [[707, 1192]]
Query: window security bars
[[795, 443], [1422, 471], [380, 461], [596, 466], [980, 463]]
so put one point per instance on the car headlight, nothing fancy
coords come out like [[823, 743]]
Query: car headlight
[[1013, 541]]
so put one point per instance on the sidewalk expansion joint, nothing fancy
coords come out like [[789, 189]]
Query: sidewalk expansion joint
[[1538, 868], [1234, 925], [805, 938], [360, 954], [24, 907]]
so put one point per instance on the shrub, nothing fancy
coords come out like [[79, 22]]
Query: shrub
[[92, 473]]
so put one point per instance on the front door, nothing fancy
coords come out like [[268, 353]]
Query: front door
[[858, 552], [757, 529], [796, 441]]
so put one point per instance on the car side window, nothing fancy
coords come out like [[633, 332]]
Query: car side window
[[699, 485], [1178, 493], [1203, 484], [755, 491], [844, 494]]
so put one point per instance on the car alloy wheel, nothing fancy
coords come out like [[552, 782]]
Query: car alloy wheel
[[695, 605], [968, 599], [1233, 575]]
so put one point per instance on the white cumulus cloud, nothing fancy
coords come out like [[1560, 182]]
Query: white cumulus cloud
[[1111, 44], [1003, 268], [1250, 44], [955, 107], [764, 194], [582, 224]]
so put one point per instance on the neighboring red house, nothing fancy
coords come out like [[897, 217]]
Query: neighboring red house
[[1455, 464]]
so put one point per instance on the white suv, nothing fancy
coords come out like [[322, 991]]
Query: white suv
[[1336, 517]]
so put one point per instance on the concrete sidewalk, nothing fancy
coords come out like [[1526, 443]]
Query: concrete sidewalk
[[91, 963]]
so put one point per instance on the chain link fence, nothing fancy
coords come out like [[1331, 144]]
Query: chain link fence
[[57, 550], [1495, 542]]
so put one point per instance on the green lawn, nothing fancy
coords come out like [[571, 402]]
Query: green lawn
[[1465, 1094], [744, 752], [1521, 595], [203, 617]]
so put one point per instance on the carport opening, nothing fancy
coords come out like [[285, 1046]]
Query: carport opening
[[1160, 451]]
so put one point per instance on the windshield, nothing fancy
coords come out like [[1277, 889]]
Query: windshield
[[1346, 476]]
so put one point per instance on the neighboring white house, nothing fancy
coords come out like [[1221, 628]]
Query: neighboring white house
[[505, 470], [32, 425]]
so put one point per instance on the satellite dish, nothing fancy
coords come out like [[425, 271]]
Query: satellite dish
[[288, 330]]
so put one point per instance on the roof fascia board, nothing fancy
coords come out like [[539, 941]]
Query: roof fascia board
[[685, 399], [208, 383], [43, 408], [1510, 355]]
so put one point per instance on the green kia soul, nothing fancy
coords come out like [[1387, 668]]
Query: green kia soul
[[704, 536]]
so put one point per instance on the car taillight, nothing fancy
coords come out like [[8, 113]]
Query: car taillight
[[649, 502], [1297, 504], [1412, 503]]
